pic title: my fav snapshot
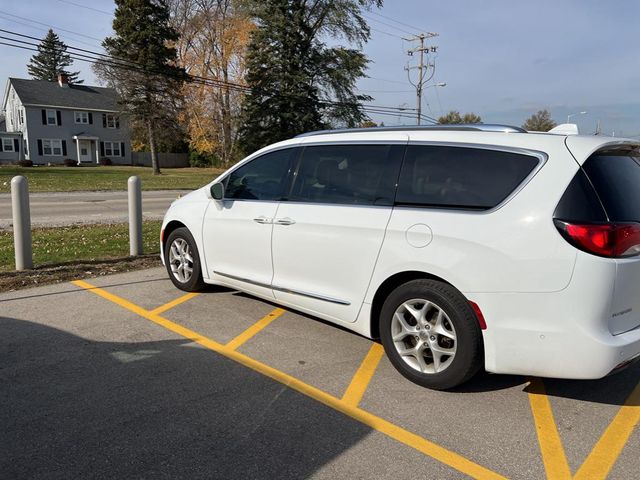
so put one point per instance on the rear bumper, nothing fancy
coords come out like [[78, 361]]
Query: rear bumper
[[564, 334], [558, 354]]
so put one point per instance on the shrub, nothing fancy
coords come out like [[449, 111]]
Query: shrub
[[70, 162], [200, 159], [25, 163], [105, 161]]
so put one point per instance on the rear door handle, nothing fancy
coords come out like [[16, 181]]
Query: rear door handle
[[262, 219], [284, 221]]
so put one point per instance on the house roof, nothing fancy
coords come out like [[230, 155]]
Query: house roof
[[44, 93]]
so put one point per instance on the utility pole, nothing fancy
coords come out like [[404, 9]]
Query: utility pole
[[421, 67]]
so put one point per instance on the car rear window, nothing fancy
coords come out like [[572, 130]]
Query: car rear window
[[615, 175], [460, 177]]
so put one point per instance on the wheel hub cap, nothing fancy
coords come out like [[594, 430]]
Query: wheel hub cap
[[424, 336], [181, 260]]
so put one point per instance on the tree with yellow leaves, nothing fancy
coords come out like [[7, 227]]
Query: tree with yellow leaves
[[214, 35]]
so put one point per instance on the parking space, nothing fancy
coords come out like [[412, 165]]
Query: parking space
[[128, 377]]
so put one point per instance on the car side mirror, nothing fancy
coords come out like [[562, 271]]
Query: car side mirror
[[217, 191]]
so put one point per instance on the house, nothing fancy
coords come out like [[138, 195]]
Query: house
[[9, 143], [48, 122]]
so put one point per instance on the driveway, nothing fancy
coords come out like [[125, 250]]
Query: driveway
[[65, 208]]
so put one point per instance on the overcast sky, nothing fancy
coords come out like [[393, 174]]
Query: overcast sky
[[500, 59]]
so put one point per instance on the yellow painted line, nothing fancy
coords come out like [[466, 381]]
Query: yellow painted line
[[393, 431], [362, 378], [174, 303], [553, 456], [605, 453], [255, 328]]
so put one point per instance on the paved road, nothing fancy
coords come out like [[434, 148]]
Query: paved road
[[55, 209], [114, 382]]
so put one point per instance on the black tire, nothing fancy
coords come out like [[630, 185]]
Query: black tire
[[194, 283], [468, 356]]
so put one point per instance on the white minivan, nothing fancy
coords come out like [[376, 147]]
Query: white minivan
[[460, 248]]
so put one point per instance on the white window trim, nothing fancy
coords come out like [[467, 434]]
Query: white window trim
[[4, 146], [111, 117], [55, 118], [108, 147], [52, 147], [81, 116]]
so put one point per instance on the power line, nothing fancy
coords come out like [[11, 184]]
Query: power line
[[385, 33], [52, 26], [87, 7], [110, 60], [389, 81], [388, 25], [397, 21], [39, 29], [89, 56], [385, 91]]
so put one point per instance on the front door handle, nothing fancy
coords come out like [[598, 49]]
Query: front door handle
[[262, 219], [284, 221]]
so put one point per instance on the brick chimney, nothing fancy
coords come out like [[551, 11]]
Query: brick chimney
[[63, 80]]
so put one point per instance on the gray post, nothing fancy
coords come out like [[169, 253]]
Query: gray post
[[135, 215], [21, 222]]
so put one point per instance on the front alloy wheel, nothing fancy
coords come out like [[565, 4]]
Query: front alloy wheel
[[182, 260]]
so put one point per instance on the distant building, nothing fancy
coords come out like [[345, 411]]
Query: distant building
[[47, 122]]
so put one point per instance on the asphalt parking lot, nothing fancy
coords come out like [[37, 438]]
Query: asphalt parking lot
[[127, 377]]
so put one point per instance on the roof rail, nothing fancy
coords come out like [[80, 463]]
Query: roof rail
[[478, 127]]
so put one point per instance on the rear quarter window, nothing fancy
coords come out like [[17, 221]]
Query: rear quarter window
[[615, 175], [460, 177]]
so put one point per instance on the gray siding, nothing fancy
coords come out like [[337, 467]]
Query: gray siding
[[36, 130], [14, 156]]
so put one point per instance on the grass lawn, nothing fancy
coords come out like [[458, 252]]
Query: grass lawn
[[69, 179], [79, 242]]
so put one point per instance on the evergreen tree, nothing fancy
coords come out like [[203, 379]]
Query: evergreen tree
[[540, 121], [142, 67], [297, 82], [51, 60]]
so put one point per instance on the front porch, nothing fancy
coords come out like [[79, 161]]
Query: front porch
[[87, 148]]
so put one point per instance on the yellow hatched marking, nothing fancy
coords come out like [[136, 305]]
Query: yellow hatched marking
[[360, 381], [393, 431], [255, 328], [605, 453], [553, 456], [174, 303]]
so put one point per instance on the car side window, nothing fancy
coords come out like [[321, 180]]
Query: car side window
[[460, 177], [263, 178], [347, 174]]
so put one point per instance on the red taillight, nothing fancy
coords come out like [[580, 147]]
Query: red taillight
[[478, 312], [604, 239]]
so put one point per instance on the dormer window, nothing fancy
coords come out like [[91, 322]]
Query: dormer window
[[82, 117]]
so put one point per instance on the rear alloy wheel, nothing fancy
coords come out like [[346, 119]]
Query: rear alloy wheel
[[182, 261], [431, 334], [424, 336]]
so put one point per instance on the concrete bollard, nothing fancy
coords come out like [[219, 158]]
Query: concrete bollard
[[134, 187], [21, 222]]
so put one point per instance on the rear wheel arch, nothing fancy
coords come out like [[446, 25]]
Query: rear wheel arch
[[389, 285]]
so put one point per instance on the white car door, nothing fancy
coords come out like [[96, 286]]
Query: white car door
[[328, 232], [237, 230]]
